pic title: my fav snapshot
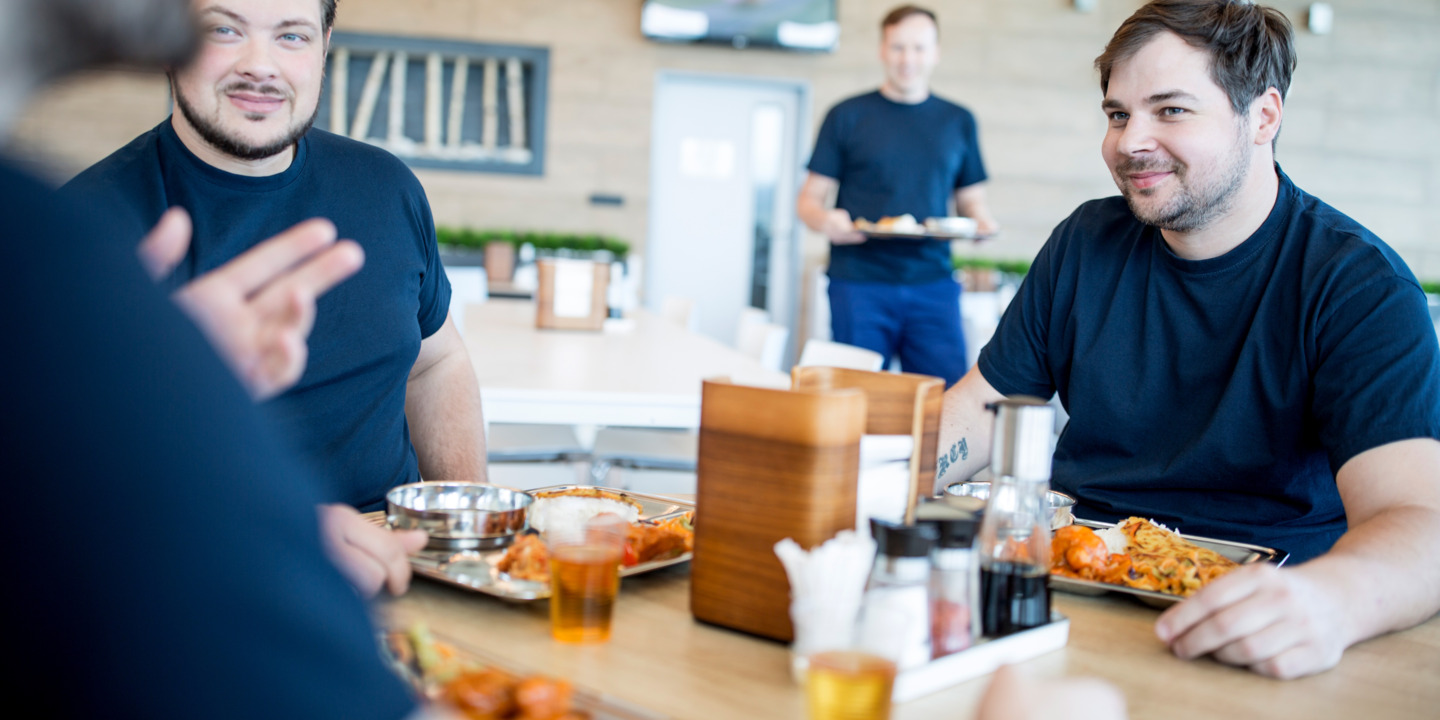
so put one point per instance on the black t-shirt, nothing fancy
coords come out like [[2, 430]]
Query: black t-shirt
[[346, 415], [892, 159], [1221, 395], [162, 558]]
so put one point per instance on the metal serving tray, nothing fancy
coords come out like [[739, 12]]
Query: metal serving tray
[[475, 569], [1239, 552], [590, 704], [924, 236]]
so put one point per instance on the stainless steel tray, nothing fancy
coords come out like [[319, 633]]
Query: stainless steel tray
[[923, 236], [591, 704], [475, 569], [1239, 552]]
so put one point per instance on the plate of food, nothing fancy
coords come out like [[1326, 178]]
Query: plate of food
[[1138, 557], [661, 534], [445, 672], [906, 227]]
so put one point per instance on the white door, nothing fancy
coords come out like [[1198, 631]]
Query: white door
[[723, 176]]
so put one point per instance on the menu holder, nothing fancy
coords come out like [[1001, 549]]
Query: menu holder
[[897, 404], [773, 464], [571, 294]]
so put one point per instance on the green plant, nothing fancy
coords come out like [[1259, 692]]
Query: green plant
[[542, 241], [1430, 286], [1012, 267]]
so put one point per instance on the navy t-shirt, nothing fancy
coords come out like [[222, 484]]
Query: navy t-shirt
[[892, 159], [1221, 395], [162, 556], [346, 415]]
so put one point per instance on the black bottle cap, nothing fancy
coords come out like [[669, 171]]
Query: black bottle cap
[[896, 540], [956, 533]]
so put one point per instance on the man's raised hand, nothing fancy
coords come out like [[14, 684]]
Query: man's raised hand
[[257, 309]]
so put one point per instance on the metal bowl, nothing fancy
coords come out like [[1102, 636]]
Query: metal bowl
[[459, 515], [1060, 503]]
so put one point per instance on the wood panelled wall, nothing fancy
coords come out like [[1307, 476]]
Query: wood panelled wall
[[1362, 126]]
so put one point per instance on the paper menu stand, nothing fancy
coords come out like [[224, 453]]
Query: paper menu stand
[[572, 294]]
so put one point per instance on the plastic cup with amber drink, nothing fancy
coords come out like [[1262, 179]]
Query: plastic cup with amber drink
[[585, 578], [855, 682]]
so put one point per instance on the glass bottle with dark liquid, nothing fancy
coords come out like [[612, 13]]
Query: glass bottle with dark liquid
[[1014, 542]]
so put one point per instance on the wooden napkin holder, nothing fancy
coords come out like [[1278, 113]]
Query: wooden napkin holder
[[571, 296], [896, 404], [773, 464]]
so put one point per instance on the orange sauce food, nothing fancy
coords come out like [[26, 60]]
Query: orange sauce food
[[1155, 559]]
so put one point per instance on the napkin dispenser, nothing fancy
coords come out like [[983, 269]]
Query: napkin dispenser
[[572, 294], [773, 464], [896, 404]]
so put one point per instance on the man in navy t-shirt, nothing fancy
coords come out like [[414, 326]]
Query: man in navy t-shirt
[[895, 151], [1238, 358], [389, 394]]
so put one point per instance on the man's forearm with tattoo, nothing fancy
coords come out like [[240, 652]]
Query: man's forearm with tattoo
[[959, 452]]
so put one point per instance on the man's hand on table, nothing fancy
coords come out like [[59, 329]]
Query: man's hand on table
[[370, 557], [1013, 695], [1279, 623], [257, 310]]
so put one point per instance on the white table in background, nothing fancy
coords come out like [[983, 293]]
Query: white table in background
[[647, 374]]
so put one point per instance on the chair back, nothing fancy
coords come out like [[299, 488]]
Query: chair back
[[897, 404], [750, 319], [681, 311], [834, 354], [467, 287], [766, 343], [773, 464]]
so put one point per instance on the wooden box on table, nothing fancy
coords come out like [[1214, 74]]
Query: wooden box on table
[[773, 464]]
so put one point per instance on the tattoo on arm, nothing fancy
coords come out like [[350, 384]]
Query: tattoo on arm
[[958, 452]]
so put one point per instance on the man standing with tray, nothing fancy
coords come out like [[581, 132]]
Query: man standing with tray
[[894, 151], [1238, 358]]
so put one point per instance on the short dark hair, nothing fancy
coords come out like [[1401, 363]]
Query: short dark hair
[[1251, 47], [327, 14], [899, 14]]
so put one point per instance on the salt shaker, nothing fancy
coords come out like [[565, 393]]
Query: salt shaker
[[1014, 542], [898, 587]]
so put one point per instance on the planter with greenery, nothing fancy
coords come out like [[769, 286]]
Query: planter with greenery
[[467, 240], [986, 274]]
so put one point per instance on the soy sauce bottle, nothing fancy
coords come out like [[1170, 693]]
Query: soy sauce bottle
[[1014, 541]]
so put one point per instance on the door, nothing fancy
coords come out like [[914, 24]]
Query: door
[[723, 176]]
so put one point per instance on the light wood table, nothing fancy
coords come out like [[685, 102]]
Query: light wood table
[[645, 374], [661, 659]]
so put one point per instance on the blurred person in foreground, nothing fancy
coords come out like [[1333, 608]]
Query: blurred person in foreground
[[894, 151], [165, 560], [389, 394], [1239, 359]]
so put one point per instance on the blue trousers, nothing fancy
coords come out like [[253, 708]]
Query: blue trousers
[[920, 323]]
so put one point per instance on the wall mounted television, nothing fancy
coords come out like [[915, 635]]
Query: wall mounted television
[[785, 24]]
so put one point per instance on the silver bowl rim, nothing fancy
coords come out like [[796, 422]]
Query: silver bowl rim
[[391, 497], [1069, 500]]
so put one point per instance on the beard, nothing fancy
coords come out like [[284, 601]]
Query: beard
[[232, 144], [1194, 204]]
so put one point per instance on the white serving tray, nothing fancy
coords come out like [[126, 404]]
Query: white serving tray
[[980, 659]]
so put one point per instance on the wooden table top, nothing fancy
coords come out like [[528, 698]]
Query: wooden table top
[[661, 659]]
